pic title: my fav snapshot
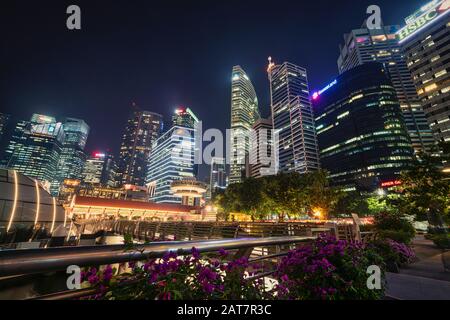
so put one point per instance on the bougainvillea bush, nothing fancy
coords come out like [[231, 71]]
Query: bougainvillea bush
[[394, 253], [329, 269], [173, 277], [325, 269]]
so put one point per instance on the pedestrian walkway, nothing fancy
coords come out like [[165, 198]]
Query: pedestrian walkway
[[424, 280]]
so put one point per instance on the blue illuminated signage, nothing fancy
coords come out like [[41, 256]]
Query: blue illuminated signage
[[318, 93]]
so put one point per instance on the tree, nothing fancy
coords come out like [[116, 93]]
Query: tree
[[351, 202], [426, 190], [251, 198], [287, 195], [319, 194]]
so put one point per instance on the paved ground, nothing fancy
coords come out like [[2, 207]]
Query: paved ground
[[424, 280]]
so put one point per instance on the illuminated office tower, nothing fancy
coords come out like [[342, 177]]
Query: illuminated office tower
[[184, 117], [426, 44], [293, 120], [35, 148], [73, 157], [261, 158], [217, 177], [363, 140], [381, 45], [100, 169], [142, 129], [244, 113], [172, 159]]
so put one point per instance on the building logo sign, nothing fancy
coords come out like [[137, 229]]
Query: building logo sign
[[389, 184], [99, 155], [429, 13], [318, 93]]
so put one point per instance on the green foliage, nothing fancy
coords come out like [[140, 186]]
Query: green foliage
[[441, 240], [351, 202], [286, 195], [395, 227], [128, 242], [364, 204], [396, 235], [425, 190], [376, 205]]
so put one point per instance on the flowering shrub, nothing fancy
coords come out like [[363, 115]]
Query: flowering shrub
[[328, 269], [405, 254], [180, 277], [394, 253]]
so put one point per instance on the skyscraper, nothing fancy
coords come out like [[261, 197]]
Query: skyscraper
[[100, 169], [365, 45], [72, 157], [362, 137], [35, 148], [293, 120], [262, 157], [217, 177], [244, 113], [171, 159], [184, 117], [426, 40], [142, 129]]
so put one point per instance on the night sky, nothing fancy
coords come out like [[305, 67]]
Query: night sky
[[161, 54]]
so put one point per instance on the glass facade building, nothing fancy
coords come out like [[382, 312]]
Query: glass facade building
[[35, 148], [381, 45], [244, 113], [426, 44], [217, 176], [172, 159], [184, 117], [141, 131], [293, 120], [262, 158], [100, 169], [73, 157], [362, 136]]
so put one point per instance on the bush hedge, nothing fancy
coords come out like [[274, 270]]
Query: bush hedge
[[395, 227]]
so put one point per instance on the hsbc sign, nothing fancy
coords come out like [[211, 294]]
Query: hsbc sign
[[438, 10]]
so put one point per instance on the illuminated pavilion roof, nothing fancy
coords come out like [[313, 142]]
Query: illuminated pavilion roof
[[132, 205]]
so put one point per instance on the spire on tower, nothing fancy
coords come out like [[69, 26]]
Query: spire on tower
[[271, 64]]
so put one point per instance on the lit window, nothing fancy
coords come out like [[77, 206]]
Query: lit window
[[431, 87], [440, 73]]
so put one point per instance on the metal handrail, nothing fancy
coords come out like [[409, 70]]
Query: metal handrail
[[32, 261]]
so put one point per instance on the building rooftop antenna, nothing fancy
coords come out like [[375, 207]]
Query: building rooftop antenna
[[271, 64]]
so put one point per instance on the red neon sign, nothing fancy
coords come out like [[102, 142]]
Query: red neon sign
[[392, 183]]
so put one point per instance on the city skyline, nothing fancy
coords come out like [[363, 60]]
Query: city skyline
[[237, 150], [85, 95], [290, 90]]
